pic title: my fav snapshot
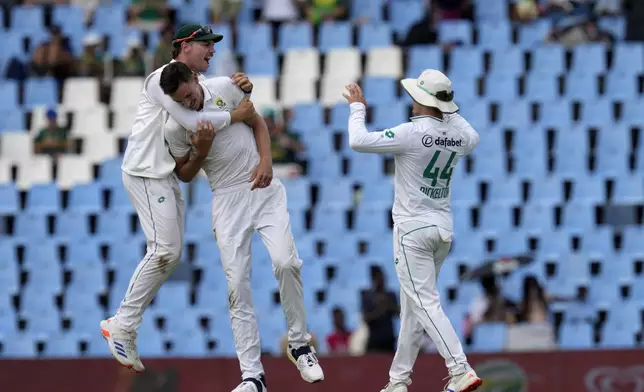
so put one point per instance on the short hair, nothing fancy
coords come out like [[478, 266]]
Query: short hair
[[173, 75], [176, 50]]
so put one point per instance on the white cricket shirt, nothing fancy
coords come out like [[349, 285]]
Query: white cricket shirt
[[425, 150], [233, 154], [146, 154]]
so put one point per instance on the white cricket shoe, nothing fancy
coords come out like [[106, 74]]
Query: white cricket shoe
[[122, 345], [464, 382], [252, 385], [397, 387], [307, 363]]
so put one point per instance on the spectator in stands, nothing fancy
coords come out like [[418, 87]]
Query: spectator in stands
[[491, 307], [379, 307], [148, 15], [53, 57], [91, 61], [338, 340], [534, 305], [580, 33], [133, 63], [52, 139], [634, 10], [163, 53], [318, 11], [285, 146], [277, 12], [454, 9], [525, 11], [608, 7], [424, 32], [225, 10]]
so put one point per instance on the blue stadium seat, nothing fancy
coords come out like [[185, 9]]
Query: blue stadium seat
[[9, 95], [616, 25], [377, 193], [581, 87], [495, 217], [538, 216], [325, 169], [334, 35], [621, 87], [12, 120], [254, 38], [24, 19], [31, 226], [507, 62], [366, 167], [555, 114], [546, 190], [339, 116], [597, 113], [379, 90], [465, 62], [224, 29], [489, 337], [297, 193], [70, 18], [535, 33], [576, 337], [44, 199], [578, 216], [109, 18], [616, 337], [493, 11], [110, 173], [631, 113], [628, 59], [493, 36], [119, 200], [40, 92], [549, 59], [404, 14], [372, 36], [389, 115], [422, 58], [18, 346], [72, 225], [199, 222], [9, 203], [295, 36], [629, 190], [86, 198], [511, 244], [64, 345], [501, 87], [464, 192], [261, 63], [613, 152], [597, 241], [588, 189], [115, 224], [191, 344], [542, 87], [465, 90], [372, 219], [455, 31], [318, 144], [329, 220], [505, 191], [531, 164], [307, 117], [337, 193], [589, 59], [486, 166], [173, 296], [370, 10]]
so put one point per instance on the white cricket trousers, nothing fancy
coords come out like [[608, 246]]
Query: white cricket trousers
[[237, 212], [160, 207], [420, 250]]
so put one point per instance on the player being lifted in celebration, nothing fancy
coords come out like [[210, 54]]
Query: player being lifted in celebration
[[152, 186], [237, 172], [426, 150]]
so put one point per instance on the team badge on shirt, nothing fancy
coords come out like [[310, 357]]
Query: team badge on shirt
[[219, 102]]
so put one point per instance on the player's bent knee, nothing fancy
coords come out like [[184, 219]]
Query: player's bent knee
[[287, 263], [169, 254]]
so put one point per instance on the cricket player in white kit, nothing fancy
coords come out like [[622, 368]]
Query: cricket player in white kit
[[426, 150], [149, 179], [238, 210]]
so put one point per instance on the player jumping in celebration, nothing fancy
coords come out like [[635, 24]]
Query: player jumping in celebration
[[426, 150], [245, 199], [152, 186]]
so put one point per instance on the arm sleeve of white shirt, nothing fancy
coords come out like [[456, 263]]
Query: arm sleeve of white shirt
[[186, 117], [177, 138], [389, 141], [468, 132]]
